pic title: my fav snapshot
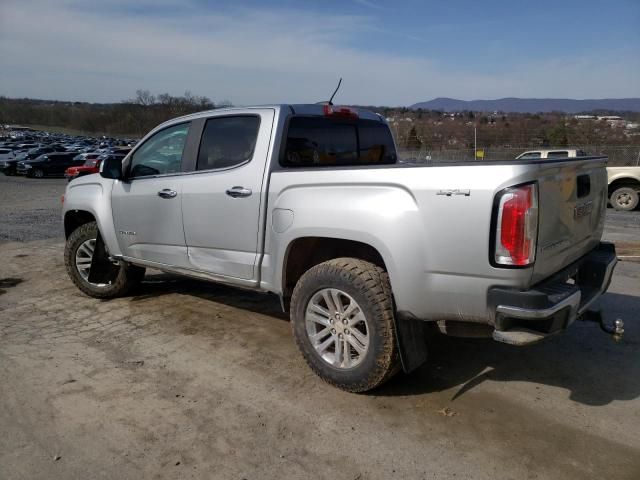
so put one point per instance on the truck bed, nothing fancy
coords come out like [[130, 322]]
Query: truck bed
[[437, 219]]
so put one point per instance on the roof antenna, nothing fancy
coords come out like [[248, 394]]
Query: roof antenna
[[335, 91]]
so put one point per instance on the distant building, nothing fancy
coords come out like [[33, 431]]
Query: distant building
[[609, 117], [18, 128]]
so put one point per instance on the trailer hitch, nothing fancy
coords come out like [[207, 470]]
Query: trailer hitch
[[616, 330]]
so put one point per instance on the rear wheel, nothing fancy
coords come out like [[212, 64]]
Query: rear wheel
[[78, 255], [624, 199], [342, 321]]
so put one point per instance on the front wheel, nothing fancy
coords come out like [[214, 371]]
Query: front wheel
[[342, 321], [624, 199], [38, 173], [78, 255]]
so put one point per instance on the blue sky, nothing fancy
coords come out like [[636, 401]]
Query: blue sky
[[389, 53]]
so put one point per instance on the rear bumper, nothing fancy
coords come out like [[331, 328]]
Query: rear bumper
[[525, 317]]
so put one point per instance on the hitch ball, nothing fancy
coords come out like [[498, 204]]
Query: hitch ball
[[618, 330]]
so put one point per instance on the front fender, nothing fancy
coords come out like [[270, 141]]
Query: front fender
[[92, 194]]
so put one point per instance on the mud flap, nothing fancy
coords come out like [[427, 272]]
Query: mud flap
[[411, 335], [102, 269]]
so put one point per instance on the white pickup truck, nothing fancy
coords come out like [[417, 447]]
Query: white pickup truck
[[309, 202], [624, 187]]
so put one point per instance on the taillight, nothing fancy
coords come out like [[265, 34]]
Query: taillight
[[342, 112], [517, 226]]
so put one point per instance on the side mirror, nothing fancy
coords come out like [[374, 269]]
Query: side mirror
[[112, 168]]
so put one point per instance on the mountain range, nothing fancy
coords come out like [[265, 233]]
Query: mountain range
[[531, 105]]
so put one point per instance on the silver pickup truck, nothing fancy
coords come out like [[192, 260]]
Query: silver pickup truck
[[309, 202]]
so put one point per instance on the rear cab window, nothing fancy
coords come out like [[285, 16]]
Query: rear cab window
[[558, 154], [314, 141], [530, 155]]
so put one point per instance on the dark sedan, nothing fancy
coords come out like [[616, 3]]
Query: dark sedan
[[51, 164], [8, 166]]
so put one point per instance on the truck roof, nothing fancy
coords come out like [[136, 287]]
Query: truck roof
[[294, 108]]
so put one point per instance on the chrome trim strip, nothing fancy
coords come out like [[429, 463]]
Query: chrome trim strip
[[199, 274]]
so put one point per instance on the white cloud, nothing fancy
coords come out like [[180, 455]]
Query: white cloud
[[254, 56]]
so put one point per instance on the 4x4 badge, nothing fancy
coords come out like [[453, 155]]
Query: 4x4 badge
[[454, 191]]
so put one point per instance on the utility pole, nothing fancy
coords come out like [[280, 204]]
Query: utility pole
[[475, 142]]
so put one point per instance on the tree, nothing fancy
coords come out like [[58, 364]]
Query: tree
[[144, 98], [413, 142], [558, 136]]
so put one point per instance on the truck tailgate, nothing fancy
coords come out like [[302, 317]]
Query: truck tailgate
[[572, 205]]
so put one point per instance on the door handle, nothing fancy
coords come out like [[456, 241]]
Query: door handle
[[167, 193], [236, 192]]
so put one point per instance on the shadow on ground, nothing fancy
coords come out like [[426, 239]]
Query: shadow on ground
[[159, 284], [585, 361]]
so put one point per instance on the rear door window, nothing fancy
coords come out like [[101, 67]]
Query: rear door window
[[321, 142], [228, 141]]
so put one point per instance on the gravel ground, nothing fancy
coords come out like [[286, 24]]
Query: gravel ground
[[185, 379], [30, 208]]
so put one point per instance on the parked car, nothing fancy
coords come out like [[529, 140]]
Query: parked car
[[91, 164], [11, 146], [51, 164], [26, 146], [309, 202], [555, 153], [7, 161], [6, 154], [36, 152], [624, 187]]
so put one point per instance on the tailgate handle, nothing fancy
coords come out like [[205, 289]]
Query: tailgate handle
[[584, 185]]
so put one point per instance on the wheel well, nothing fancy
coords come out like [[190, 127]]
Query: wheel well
[[623, 182], [75, 219], [304, 253]]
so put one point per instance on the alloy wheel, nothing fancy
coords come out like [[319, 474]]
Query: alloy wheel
[[337, 328]]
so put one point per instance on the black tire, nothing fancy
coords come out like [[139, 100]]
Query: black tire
[[369, 286], [126, 278], [624, 199]]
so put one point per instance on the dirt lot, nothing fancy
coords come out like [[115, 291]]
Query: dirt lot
[[186, 379]]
